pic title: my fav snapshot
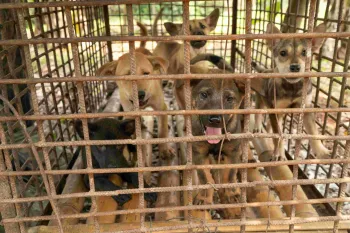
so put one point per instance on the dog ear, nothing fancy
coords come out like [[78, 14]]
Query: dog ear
[[159, 64], [107, 69], [271, 28], [78, 125], [212, 19], [318, 42], [173, 29], [128, 126]]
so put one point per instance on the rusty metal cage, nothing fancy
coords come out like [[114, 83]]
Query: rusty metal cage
[[50, 52]]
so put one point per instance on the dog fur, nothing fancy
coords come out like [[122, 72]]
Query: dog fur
[[289, 56], [112, 156], [149, 91], [209, 94]]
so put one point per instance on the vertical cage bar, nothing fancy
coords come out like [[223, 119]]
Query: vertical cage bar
[[108, 32], [234, 31], [247, 105], [301, 115], [140, 161], [81, 102], [188, 101]]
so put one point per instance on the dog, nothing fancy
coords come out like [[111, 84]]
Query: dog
[[173, 51], [112, 156], [209, 94], [150, 92], [289, 56]]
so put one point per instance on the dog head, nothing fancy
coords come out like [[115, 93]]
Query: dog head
[[197, 27], [145, 65], [213, 94], [290, 54], [109, 129]]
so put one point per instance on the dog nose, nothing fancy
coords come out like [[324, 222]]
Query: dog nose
[[294, 68], [141, 95], [215, 119], [200, 33]]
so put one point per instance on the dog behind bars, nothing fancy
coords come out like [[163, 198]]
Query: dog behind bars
[[289, 56]]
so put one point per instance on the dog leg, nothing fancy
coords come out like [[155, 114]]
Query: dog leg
[[317, 147], [165, 151], [259, 104], [279, 153], [204, 196]]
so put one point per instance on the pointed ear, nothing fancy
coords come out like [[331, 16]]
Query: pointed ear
[[271, 28], [173, 29], [107, 69], [212, 19], [78, 125], [128, 126], [159, 64], [318, 42]]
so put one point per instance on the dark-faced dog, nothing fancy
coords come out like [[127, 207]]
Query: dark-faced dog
[[213, 94], [112, 156], [290, 56]]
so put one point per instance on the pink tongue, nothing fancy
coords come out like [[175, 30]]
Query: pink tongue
[[213, 131]]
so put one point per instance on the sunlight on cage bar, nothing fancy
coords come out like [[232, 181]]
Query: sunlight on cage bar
[[50, 80]]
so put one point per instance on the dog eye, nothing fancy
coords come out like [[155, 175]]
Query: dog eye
[[229, 99], [146, 73], [204, 95], [303, 53], [202, 25], [283, 53]]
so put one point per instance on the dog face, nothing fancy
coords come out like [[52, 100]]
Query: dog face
[[197, 27], [145, 65], [290, 54], [213, 94]]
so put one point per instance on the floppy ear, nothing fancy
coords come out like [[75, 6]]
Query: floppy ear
[[159, 63], [78, 125], [318, 42], [107, 69], [173, 29], [128, 126], [271, 28], [212, 19]]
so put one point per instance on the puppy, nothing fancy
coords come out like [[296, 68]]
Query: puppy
[[174, 51], [112, 156], [149, 91], [211, 94], [289, 56]]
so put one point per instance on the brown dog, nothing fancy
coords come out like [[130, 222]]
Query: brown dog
[[289, 56], [211, 94], [174, 51], [149, 91]]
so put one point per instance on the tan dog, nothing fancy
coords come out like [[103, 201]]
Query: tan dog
[[289, 56], [174, 51], [150, 92]]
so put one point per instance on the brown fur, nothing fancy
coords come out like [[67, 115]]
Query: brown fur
[[206, 153], [289, 56], [154, 97]]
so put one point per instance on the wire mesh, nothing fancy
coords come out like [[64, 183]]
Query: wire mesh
[[50, 52]]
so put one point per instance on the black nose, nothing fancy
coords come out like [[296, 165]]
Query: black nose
[[141, 95], [200, 33], [215, 119], [294, 68]]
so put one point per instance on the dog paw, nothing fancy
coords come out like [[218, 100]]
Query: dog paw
[[258, 129], [231, 195], [201, 199], [151, 197], [166, 152], [323, 153], [278, 157], [121, 199]]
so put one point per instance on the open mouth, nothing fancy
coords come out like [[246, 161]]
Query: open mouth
[[198, 43], [209, 131]]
